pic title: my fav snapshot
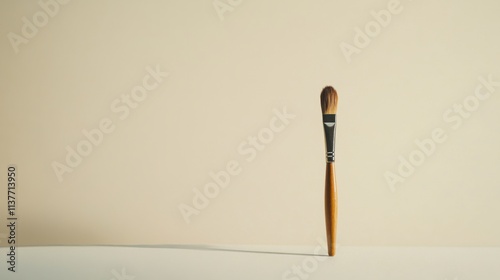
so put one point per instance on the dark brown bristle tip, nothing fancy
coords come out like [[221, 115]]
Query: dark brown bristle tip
[[329, 100]]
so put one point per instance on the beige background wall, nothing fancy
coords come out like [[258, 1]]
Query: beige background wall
[[229, 71]]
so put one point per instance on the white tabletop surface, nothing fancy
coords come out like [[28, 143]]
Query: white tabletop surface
[[202, 262]]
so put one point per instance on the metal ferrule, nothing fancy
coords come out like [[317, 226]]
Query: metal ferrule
[[329, 126]]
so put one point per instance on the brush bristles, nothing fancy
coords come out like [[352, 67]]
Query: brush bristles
[[329, 100]]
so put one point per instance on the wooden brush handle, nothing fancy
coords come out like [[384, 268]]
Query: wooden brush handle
[[331, 207]]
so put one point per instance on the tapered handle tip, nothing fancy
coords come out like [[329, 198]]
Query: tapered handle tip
[[331, 250]]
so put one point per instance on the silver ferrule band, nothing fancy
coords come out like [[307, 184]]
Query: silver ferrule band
[[329, 127]]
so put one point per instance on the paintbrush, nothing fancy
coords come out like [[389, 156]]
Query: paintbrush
[[329, 101]]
